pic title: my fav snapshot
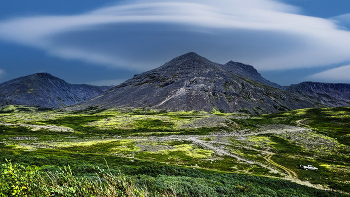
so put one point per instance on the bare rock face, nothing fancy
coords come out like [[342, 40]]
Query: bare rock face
[[330, 94], [191, 82], [45, 90]]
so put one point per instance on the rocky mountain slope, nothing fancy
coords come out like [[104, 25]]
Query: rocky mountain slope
[[330, 94], [192, 82], [45, 90], [249, 72]]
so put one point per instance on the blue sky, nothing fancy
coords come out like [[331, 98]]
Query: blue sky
[[106, 42]]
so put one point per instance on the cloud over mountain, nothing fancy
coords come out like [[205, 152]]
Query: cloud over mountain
[[340, 74], [140, 34]]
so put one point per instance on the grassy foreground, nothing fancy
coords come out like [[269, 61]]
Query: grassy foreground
[[144, 152]]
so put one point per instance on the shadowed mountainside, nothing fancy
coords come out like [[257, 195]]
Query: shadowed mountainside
[[45, 90], [191, 82], [330, 94]]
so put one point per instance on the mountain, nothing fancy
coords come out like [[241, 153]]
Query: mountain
[[191, 82], [249, 72], [330, 94], [45, 90]]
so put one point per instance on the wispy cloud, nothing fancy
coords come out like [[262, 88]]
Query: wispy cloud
[[337, 75], [2, 73], [342, 20], [143, 34]]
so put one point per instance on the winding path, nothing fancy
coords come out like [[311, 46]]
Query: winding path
[[290, 172]]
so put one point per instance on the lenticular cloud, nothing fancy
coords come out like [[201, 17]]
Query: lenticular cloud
[[140, 35]]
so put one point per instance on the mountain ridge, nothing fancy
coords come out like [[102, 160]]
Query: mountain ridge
[[187, 82], [330, 94], [45, 90]]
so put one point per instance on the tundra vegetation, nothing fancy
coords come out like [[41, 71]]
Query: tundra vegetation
[[143, 152]]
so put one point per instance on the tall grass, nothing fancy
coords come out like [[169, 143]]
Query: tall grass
[[19, 180]]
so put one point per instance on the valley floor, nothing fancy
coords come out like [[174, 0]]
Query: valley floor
[[162, 153]]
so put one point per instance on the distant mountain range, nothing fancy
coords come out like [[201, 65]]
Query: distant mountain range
[[329, 94], [188, 82], [45, 90]]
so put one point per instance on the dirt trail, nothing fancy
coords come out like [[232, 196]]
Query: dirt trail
[[290, 172], [286, 129], [195, 140], [217, 150]]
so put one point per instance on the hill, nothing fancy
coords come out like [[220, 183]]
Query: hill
[[45, 90]]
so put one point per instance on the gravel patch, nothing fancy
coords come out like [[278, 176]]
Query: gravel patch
[[23, 138], [38, 127]]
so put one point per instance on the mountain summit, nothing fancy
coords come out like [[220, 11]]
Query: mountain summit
[[191, 82], [45, 90]]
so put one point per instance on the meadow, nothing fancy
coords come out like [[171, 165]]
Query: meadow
[[144, 152]]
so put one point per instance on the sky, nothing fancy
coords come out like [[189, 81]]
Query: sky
[[106, 42]]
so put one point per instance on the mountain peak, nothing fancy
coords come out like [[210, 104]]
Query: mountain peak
[[238, 65], [249, 72], [41, 76], [187, 63], [242, 69], [191, 56], [42, 73]]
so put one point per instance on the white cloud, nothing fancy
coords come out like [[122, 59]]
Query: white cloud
[[220, 30], [90, 57], [336, 75]]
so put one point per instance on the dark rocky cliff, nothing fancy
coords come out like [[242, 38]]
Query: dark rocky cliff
[[45, 90], [191, 82]]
